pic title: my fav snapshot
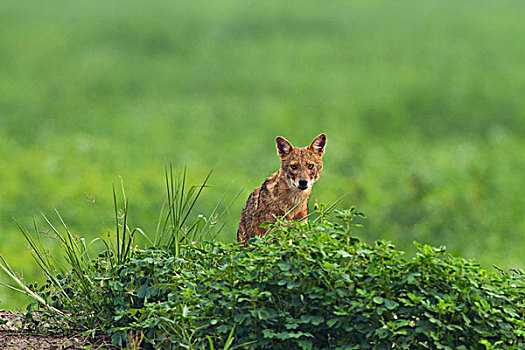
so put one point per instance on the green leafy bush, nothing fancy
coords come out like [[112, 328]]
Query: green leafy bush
[[303, 286]]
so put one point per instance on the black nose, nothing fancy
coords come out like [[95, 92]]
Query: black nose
[[303, 184]]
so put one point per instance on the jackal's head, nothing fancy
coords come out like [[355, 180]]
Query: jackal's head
[[301, 166]]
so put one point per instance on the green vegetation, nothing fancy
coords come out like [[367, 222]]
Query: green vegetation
[[421, 102], [302, 286]]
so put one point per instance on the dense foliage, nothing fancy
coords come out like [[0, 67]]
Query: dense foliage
[[308, 286]]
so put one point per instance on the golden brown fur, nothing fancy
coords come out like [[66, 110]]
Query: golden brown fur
[[287, 188]]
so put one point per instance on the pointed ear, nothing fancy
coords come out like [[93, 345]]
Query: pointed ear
[[284, 147], [318, 144]]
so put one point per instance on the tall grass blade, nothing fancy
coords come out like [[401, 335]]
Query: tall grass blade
[[24, 289], [159, 233], [75, 258], [49, 268], [117, 248], [201, 187]]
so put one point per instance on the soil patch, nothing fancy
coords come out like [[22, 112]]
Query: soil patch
[[13, 336]]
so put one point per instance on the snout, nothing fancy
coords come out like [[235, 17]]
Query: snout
[[303, 184]]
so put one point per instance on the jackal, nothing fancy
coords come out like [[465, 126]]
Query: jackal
[[288, 188]]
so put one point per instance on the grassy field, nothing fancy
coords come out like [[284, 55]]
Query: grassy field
[[421, 101]]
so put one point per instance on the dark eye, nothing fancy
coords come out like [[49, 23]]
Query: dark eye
[[293, 167], [310, 166]]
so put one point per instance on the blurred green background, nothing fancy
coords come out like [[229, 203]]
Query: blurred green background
[[422, 103]]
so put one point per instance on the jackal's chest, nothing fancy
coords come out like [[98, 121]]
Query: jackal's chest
[[296, 197], [293, 204]]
